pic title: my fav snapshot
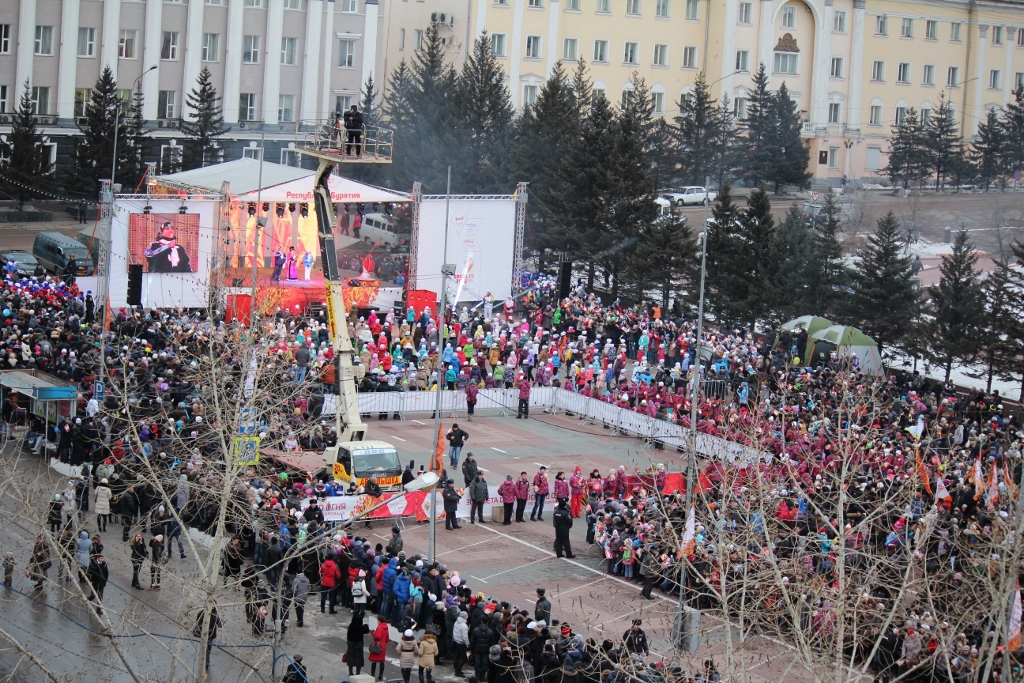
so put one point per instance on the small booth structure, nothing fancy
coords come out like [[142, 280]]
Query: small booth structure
[[848, 341], [40, 394]]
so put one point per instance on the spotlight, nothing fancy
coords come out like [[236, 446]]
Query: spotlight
[[291, 208], [304, 210], [252, 208], [183, 209], [279, 209], [266, 207], [147, 208]]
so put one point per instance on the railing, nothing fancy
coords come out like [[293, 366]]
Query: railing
[[323, 137], [807, 128], [45, 119], [250, 125]]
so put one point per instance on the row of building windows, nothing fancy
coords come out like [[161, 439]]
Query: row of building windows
[[571, 51], [634, 8]]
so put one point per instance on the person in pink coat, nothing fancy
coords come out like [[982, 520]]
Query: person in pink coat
[[507, 492]]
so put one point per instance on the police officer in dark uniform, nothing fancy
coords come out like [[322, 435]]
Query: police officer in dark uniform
[[561, 518]]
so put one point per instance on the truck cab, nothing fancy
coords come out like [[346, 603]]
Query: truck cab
[[364, 459]]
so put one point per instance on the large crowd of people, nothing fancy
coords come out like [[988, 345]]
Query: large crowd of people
[[879, 471]]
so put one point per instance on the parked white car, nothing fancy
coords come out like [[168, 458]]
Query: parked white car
[[692, 194]]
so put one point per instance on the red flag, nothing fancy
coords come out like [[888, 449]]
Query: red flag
[[437, 462], [925, 479]]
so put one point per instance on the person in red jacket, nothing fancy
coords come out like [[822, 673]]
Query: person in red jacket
[[576, 484], [379, 648], [522, 495], [507, 491], [524, 398], [330, 577]]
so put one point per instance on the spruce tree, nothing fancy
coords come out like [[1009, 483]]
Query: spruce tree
[[759, 148], [94, 150], [987, 149], [954, 330], [791, 154], [702, 135], [793, 252], [942, 140], [909, 156], [825, 268], [664, 258], [758, 228], [204, 124], [132, 168], [1002, 326], [884, 301], [726, 283], [1013, 133], [368, 102], [28, 162], [481, 123]]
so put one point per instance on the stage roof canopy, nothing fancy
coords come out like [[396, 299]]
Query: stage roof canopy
[[280, 183]]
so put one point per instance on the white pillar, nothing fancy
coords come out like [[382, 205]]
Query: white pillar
[[821, 73], [67, 56], [193, 56], [272, 60], [370, 43], [980, 84], [1008, 77], [151, 55], [856, 72], [310, 70], [764, 39], [110, 37], [554, 12], [26, 49], [728, 48], [515, 53], [327, 105], [481, 17], [233, 61]]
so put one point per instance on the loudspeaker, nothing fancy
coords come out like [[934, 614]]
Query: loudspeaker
[[134, 297], [564, 279]]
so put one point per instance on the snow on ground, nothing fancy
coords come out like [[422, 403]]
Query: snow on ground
[[959, 375]]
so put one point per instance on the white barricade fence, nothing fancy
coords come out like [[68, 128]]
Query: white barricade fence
[[587, 409]]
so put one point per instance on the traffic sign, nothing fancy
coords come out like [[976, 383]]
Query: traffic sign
[[814, 195], [1017, 175], [247, 450], [98, 390], [247, 421]]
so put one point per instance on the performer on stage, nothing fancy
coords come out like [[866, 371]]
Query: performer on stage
[[293, 265]]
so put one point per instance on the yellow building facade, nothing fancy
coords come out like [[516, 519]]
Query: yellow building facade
[[854, 67]]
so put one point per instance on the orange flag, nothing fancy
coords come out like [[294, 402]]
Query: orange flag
[[1013, 643], [1011, 486], [437, 462]]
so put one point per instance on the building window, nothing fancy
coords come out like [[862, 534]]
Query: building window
[[785, 63], [739, 107], [690, 57], [953, 77], [293, 4], [165, 106], [928, 75], [499, 3], [931, 29], [661, 8], [86, 42], [875, 115], [604, 6], [169, 46], [627, 99], [255, 153], [833, 112], [342, 103], [630, 53], [907, 28], [597, 94], [742, 60], [124, 96], [291, 157], [537, 4], [533, 47], [3, 99], [570, 48], [997, 35], [874, 159], [401, 39], [1019, 79], [901, 115], [995, 79], [5, 39], [44, 40], [40, 100], [289, 51], [633, 7], [658, 103], [925, 116], [346, 53], [692, 9], [789, 17], [746, 12], [286, 108], [601, 51], [215, 2], [498, 44], [878, 71], [251, 50], [254, 3], [530, 93], [126, 44], [881, 25], [903, 72], [247, 106], [661, 55], [82, 97], [837, 67], [211, 47], [349, 6], [572, 6], [833, 158], [417, 39], [1020, 38], [839, 22], [954, 31]]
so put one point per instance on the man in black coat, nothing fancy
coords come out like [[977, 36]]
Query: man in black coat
[[561, 518], [451, 499]]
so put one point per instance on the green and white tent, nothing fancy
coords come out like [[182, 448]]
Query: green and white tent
[[848, 341], [811, 323]]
